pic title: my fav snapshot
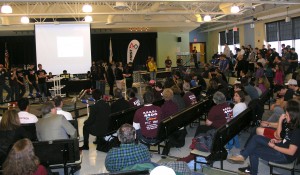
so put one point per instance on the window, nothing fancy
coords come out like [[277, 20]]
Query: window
[[231, 38]]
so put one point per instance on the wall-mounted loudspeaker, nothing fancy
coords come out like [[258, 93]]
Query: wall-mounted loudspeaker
[[179, 39]]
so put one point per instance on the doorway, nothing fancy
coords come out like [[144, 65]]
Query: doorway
[[201, 50]]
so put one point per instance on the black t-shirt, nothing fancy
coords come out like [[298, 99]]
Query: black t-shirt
[[288, 95], [290, 137], [31, 75], [168, 63], [128, 70], [20, 75], [13, 82], [3, 75], [42, 72]]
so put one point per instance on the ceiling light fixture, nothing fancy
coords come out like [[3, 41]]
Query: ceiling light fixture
[[24, 20], [207, 18], [87, 8], [287, 18], [199, 18], [235, 9], [88, 19], [6, 9]]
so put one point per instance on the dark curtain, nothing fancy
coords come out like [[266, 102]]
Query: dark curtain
[[222, 38], [230, 37], [272, 31], [285, 30], [120, 42], [296, 26], [21, 49]]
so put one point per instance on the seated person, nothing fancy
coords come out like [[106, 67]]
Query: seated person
[[158, 89], [58, 102], [137, 95], [65, 74], [10, 132], [282, 149], [132, 100], [129, 153], [146, 119], [24, 115], [22, 155], [120, 104], [217, 115], [188, 97], [53, 126], [50, 75], [97, 122], [251, 91], [169, 107], [177, 98]]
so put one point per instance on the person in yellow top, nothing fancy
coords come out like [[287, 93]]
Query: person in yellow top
[[152, 69]]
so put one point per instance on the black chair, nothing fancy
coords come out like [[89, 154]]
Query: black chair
[[59, 154], [31, 130]]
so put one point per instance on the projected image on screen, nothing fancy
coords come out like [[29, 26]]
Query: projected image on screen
[[63, 47], [69, 46]]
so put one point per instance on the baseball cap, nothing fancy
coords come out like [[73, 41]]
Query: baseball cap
[[291, 82]]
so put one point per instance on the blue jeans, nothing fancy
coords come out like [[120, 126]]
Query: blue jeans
[[43, 89], [153, 75], [233, 142], [258, 148]]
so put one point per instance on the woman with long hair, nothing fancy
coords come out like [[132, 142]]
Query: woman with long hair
[[21, 160], [10, 132], [281, 149]]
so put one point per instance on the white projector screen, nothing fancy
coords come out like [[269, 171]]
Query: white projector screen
[[63, 47]]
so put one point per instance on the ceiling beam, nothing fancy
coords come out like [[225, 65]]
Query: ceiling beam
[[187, 1]]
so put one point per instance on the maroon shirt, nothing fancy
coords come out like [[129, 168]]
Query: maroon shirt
[[189, 99], [218, 114], [134, 102], [148, 117], [169, 108]]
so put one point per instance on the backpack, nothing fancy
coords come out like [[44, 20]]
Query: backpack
[[203, 141]]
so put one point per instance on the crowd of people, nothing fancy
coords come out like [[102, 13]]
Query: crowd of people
[[274, 140]]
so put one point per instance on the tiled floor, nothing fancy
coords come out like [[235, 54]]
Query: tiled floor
[[93, 161]]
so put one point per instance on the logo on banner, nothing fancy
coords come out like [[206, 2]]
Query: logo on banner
[[132, 49]]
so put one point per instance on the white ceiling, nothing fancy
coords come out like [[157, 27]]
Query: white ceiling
[[162, 16]]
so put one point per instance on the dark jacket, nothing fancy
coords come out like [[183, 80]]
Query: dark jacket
[[98, 121], [119, 105]]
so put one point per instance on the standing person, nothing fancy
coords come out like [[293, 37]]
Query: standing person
[[119, 75], [127, 74], [31, 79], [168, 64], [22, 155], [224, 64], [93, 75], [147, 61], [101, 79], [293, 61], [152, 69], [179, 61], [3, 85], [110, 78], [42, 75], [21, 83], [194, 54], [226, 51], [13, 83]]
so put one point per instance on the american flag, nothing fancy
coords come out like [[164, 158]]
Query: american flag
[[6, 57], [110, 51]]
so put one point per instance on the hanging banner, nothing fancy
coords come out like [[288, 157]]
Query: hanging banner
[[132, 49]]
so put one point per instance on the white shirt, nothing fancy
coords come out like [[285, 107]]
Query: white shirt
[[239, 108], [67, 115], [26, 117]]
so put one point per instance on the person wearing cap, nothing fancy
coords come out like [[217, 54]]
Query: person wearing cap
[[129, 153]]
